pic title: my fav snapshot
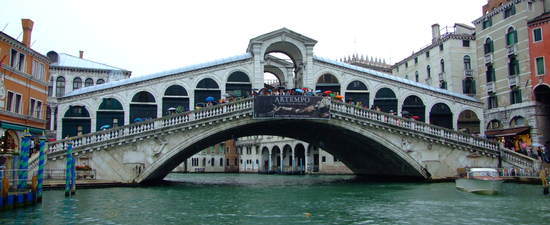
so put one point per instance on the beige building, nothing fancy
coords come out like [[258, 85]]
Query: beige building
[[447, 62], [503, 68]]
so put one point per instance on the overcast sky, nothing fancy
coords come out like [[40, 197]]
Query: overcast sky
[[152, 36]]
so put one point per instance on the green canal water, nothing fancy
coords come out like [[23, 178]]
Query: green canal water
[[276, 199]]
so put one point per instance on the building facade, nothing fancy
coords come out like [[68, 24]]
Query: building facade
[[23, 93], [539, 51], [504, 70], [445, 63], [264, 154], [377, 64], [70, 73]]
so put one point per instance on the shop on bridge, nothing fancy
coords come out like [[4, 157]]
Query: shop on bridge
[[143, 107], [413, 107], [238, 85], [175, 99], [386, 100], [357, 93], [109, 114], [441, 115], [76, 121], [207, 90]]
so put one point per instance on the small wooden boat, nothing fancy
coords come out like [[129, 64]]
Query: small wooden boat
[[480, 181]]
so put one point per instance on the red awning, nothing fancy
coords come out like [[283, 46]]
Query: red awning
[[507, 132]]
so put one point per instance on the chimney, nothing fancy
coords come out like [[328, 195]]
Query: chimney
[[81, 54], [27, 31], [435, 33]]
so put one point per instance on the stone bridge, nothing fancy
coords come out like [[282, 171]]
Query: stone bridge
[[369, 142]]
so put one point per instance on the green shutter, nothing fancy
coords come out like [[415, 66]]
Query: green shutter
[[473, 86], [464, 88], [491, 47], [540, 66], [518, 96], [516, 67], [515, 36]]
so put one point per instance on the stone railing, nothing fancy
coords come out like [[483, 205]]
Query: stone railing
[[481, 145], [58, 147]]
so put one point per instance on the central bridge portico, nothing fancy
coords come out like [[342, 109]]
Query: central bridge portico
[[369, 142]]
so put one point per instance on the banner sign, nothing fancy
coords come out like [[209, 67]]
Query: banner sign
[[291, 107]]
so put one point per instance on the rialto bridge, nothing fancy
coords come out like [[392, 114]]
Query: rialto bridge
[[373, 143]]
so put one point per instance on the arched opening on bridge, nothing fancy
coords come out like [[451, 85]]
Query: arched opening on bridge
[[109, 114], [206, 88], [542, 99], [357, 93], [385, 100], [413, 107], [76, 121], [271, 80], [175, 100], [238, 84], [441, 115], [264, 167], [328, 82], [287, 53], [275, 159], [287, 159], [143, 107], [300, 155], [468, 122]]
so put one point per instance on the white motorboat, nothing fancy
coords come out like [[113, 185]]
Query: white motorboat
[[480, 181]]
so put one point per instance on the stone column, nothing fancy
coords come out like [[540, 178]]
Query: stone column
[[293, 166], [282, 160], [269, 163], [52, 117]]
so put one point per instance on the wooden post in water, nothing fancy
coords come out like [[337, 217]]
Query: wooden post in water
[[41, 165], [24, 161], [68, 170]]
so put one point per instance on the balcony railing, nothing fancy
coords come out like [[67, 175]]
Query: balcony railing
[[469, 73], [488, 58], [441, 76], [511, 49], [491, 87], [513, 80]]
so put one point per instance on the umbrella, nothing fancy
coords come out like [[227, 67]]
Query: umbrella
[[415, 117], [317, 91], [299, 90], [106, 126], [171, 109], [209, 99], [332, 95], [339, 96], [327, 92], [537, 145], [138, 120]]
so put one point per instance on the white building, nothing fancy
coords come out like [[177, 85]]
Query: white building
[[446, 62], [69, 73]]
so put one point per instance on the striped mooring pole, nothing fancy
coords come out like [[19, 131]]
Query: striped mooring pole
[[68, 171], [24, 161], [41, 165]]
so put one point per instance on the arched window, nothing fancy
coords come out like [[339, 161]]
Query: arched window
[[88, 82], [511, 36], [494, 124], [429, 71], [416, 76], [60, 87], [100, 81], [77, 83], [467, 63], [488, 46], [442, 64], [518, 121]]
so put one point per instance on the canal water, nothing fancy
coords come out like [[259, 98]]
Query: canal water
[[277, 199]]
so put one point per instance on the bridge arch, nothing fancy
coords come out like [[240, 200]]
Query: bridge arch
[[386, 99], [441, 115], [206, 87], [468, 122], [76, 121], [109, 114], [328, 82], [357, 91], [238, 84], [362, 150], [175, 98], [414, 106], [143, 106]]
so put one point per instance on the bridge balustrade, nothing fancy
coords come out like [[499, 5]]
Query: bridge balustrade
[[483, 146]]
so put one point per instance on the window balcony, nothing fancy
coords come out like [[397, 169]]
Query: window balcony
[[488, 58], [469, 73], [491, 87], [513, 80], [441, 76], [511, 49]]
